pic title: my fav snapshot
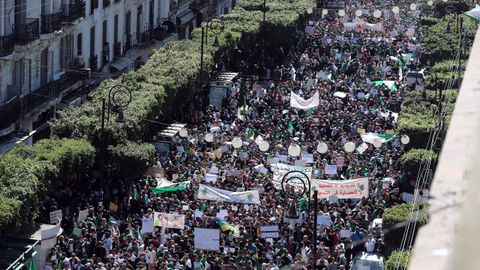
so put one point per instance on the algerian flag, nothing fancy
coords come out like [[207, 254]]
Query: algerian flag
[[389, 84], [32, 265], [291, 129], [166, 186], [474, 14], [374, 137]]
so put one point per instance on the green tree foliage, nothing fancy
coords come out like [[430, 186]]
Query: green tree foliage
[[29, 172], [412, 160], [165, 82], [395, 220], [131, 159], [398, 260]]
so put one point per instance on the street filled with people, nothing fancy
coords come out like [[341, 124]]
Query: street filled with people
[[328, 108]]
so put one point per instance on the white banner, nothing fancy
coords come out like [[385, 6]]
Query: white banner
[[221, 195], [280, 169], [342, 189], [298, 102], [167, 220], [207, 239]]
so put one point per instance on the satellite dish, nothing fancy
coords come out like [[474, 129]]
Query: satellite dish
[[183, 133], [263, 146], [349, 147], [322, 148], [237, 143], [209, 137], [294, 150], [405, 139]]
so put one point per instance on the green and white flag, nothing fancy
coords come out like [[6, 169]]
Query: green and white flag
[[220, 195], [374, 137], [389, 84], [164, 185], [474, 14]]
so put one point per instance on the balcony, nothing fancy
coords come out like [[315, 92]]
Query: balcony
[[51, 23], [74, 11], [9, 112], [117, 49], [28, 32], [6, 45], [50, 91], [93, 62], [106, 3]]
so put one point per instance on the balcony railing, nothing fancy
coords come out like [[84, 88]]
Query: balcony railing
[[9, 112], [6, 45], [117, 49], [74, 11], [93, 62], [28, 32], [51, 22], [50, 91]]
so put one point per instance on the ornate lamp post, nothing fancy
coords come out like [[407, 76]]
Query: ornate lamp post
[[296, 184], [216, 26], [119, 96]]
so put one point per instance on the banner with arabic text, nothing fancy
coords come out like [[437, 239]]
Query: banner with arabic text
[[215, 194], [280, 169], [342, 189]]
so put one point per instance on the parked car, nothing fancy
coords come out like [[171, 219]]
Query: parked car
[[368, 261]]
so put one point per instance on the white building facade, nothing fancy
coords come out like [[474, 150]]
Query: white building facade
[[48, 48]]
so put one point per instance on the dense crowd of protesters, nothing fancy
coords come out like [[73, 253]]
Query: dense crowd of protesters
[[330, 59]]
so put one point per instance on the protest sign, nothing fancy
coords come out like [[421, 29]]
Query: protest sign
[[342, 189], [324, 220], [307, 157], [207, 239], [280, 169], [222, 214], [174, 221], [211, 178], [270, 231], [345, 233], [362, 148], [82, 215], [198, 214], [54, 215], [330, 169], [147, 225], [215, 194]]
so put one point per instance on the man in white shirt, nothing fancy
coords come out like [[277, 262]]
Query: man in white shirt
[[370, 244]]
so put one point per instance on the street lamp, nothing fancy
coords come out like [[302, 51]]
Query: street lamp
[[293, 193], [216, 26], [119, 96]]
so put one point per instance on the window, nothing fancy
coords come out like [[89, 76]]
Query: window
[[79, 44], [92, 41]]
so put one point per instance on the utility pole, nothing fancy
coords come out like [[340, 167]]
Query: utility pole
[[315, 213], [461, 44], [102, 145]]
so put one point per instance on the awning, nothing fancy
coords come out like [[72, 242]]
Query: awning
[[122, 64], [186, 17]]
